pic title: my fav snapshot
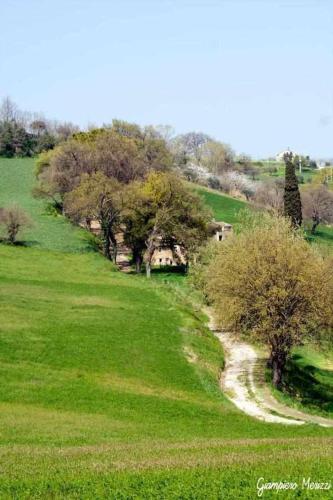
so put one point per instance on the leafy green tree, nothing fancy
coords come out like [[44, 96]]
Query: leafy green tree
[[6, 140], [150, 142], [163, 212], [43, 139], [270, 284], [14, 140], [292, 197], [137, 217], [123, 156], [98, 197]]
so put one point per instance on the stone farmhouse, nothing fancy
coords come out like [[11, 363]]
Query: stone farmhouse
[[163, 256], [166, 257]]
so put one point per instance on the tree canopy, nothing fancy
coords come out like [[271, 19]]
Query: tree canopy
[[122, 151]]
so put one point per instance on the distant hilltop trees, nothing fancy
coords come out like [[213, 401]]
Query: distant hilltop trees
[[27, 134]]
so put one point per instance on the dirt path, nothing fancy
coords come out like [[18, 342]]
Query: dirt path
[[243, 383]]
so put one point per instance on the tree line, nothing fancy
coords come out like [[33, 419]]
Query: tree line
[[24, 133], [27, 134]]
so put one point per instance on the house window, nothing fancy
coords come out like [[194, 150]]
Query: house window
[[220, 237], [160, 261], [170, 262]]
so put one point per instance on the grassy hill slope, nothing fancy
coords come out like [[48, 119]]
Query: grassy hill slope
[[109, 383], [47, 231], [224, 208]]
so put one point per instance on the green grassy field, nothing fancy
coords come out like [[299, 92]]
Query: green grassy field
[[323, 236], [309, 381], [306, 174], [47, 231], [224, 208], [110, 382]]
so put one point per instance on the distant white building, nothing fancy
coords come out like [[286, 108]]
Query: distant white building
[[321, 164], [280, 156]]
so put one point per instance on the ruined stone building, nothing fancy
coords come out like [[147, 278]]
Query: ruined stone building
[[164, 256]]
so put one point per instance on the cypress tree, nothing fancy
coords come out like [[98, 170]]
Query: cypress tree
[[292, 197]]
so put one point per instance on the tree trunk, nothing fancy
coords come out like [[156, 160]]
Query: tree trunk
[[106, 234], [148, 268], [151, 247], [107, 252], [269, 363], [110, 241], [138, 263], [277, 373], [149, 257], [278, 361], [12, 233], [113, 243], [114, 254], [88, 223], [314, 226]]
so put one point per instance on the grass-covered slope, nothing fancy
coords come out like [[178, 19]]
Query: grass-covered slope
[[78, 337], [309, 381], [46, 231], [104, 375], [323, 236], [224, 208], [109, 383], [228, 209]]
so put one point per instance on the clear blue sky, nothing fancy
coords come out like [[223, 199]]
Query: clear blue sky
[[255, 74]]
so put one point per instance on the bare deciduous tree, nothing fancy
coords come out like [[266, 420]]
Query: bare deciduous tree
[[14, 219], [8, 110], [317, 203], [216, 157], [269, 195]]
